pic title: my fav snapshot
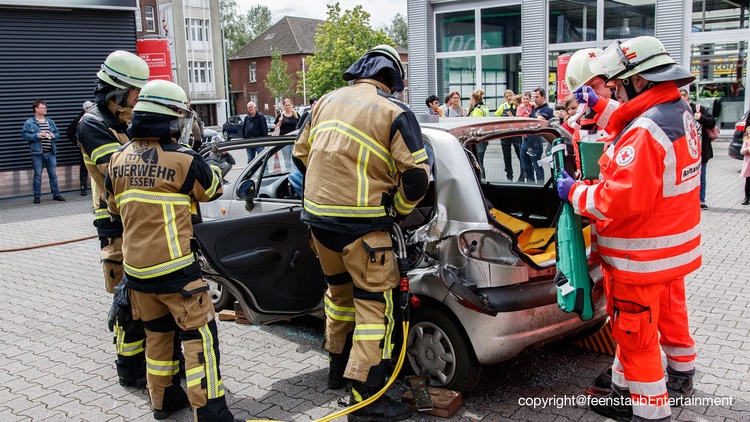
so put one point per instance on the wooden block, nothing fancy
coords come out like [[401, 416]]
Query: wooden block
[[241, 321], [444, 402], [226, 315]]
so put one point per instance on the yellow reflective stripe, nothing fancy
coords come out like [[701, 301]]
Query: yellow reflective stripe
[[170, 228], [343, 210], [194, 376], [100, 213], [159, 269], [104, 150], [215, 181], [87, 159], [163, 368], [357, 135], [131, 349], [420, 155], [160, 198], [339, 313], [400, 205], [362, 179], [369, 332], [388, 344], [213, 383]]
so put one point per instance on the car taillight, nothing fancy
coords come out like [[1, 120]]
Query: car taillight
[[740, 126]]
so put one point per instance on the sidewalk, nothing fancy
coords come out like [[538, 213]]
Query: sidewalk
[[56, 354]]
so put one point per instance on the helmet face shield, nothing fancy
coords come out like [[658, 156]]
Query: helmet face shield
[[624, 59], [186, 127]]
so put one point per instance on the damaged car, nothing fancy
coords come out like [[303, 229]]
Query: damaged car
[[480, 247]]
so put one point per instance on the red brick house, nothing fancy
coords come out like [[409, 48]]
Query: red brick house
[[295, 39]]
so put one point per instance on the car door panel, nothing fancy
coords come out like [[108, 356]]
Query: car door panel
[[269, 253]]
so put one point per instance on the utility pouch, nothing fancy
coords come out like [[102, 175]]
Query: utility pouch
[[590, 154]]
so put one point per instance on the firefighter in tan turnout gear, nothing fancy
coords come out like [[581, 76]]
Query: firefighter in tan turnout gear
[[101, 132], [365, 164], [153, 183]]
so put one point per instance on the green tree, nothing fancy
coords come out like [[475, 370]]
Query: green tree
[[339, 42], [278, 81], [398, 30], [240, 29]]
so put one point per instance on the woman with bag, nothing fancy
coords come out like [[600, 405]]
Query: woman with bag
[[745, 150], [287, 120], [707, 123]]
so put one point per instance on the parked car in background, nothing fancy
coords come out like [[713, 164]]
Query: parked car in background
[[270, 119], [233, 127], [210, 136], [487, 290], [739, 132]]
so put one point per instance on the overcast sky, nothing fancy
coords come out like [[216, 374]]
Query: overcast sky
[[381, 11]]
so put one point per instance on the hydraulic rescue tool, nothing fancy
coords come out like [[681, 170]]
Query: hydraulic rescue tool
[[572, 278]]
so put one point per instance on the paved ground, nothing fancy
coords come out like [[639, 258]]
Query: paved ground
[[56, 355]]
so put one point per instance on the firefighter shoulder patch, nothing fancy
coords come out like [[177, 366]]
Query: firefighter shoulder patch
[[625, 156]]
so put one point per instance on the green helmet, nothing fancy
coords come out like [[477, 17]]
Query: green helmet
[[578, 72], [162, 97], [391, 53], [124, 70]]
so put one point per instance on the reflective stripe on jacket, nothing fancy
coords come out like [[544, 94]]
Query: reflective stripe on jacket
[[647, 199], [360, 149], [152, 187]]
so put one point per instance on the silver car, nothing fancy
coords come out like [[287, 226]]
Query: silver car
[[485, 297]]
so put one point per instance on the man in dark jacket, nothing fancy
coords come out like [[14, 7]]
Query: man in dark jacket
[[254, 126], [704, 118], [83, 174]]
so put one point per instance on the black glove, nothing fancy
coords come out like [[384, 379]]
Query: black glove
[[120, 312]]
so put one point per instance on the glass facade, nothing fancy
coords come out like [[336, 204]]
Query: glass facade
[[629, 19], [718, 15], [721, 71], [457, 74], [500, 72], [455, 31], [501, 27], [572, 21]]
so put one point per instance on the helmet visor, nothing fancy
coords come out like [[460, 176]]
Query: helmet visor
[[186, 128], [614, 62]]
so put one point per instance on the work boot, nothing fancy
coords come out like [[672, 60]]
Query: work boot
[[336, 367], [175, 400], [382, 409], [746, 201], [611, 405], [139, 383], [83, 190], [679, 385], [602, 384]]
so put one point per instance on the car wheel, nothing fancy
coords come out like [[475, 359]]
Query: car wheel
[[220, 297], [438, 347]]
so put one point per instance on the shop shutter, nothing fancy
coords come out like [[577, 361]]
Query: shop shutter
[[534, 69], [421, 75], [670, 26]]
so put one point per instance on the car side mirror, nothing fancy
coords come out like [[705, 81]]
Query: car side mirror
[[246, 191]]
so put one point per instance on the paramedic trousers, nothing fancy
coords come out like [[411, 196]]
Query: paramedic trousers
[[642, 318], [190, 314], [130, 339], [361, 274]]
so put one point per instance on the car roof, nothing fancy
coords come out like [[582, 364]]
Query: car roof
[[483, 128]]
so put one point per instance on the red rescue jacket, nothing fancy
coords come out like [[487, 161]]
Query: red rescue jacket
[[646, 204]]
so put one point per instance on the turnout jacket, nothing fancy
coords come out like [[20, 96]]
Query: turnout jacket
[[363, 158], [152, 185], [646, 203], [99, 135]]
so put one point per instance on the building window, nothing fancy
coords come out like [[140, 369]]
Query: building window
[[196, 30], [254, 98], [720, 84], [719, 15], [251, 73], [200, 72], [572, 21], [501, 27], [138, 24], [457, 74], [150, 18], [623, 20], [500, 72], [455, 31]]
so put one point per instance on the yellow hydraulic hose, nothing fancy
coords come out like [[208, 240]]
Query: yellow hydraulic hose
[[399, 363]]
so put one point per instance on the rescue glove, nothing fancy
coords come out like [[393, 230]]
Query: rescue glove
[[586, 95], [564, 185], [120, 312]]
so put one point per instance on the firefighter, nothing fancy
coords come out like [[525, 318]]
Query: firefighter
[[100, 132], [648, 225], [153, 183], [364, 164]]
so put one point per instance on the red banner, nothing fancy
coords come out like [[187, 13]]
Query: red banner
[[562, 87], [156, 54]]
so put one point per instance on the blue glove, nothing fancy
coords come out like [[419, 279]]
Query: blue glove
[[586, 95], [564, 185]]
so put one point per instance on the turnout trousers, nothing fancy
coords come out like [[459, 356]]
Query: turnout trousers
[[361, 276], [639, 313], [130, 339], [188, 317]]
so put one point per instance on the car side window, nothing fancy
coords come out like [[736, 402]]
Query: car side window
[[279, 162]]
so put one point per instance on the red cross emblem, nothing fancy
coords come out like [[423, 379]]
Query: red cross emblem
[[592, 54], [625, 155]]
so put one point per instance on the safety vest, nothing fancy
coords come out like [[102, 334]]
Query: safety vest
[[646, 203]]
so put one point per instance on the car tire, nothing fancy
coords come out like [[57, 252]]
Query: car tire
[[220, 297], [438, 347]]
